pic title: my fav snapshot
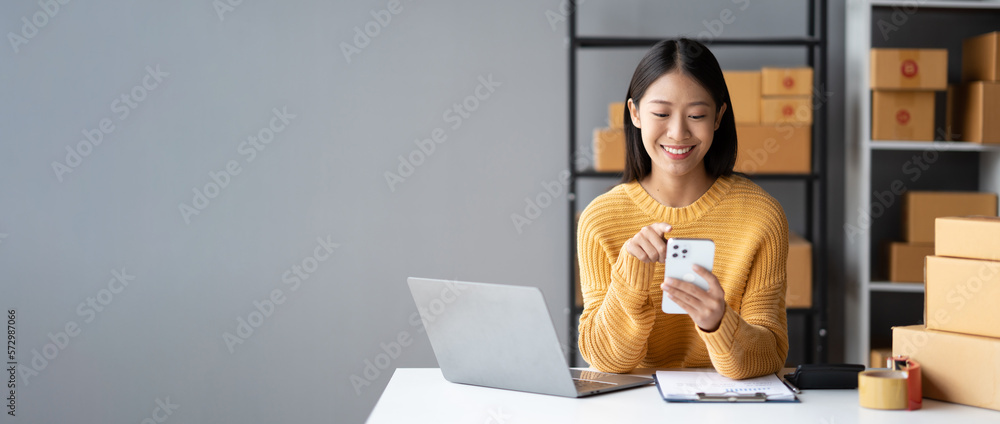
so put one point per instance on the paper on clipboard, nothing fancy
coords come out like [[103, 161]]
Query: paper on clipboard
[[685, 386]]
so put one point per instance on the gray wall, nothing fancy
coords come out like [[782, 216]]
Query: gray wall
[[132, 292]]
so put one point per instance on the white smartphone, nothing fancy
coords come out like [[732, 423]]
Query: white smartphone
[[682, 253]]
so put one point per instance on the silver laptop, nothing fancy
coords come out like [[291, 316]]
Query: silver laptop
[[502, 336]]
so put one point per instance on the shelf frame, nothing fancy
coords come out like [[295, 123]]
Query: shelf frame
[[892, 287], [590, 42], [816, 44], [985, 5], [860, 149]]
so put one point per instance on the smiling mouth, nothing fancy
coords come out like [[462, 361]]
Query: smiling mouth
[[676, 150]]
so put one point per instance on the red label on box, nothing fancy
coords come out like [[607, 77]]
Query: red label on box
[[909, 68], [903, 116], [788, 110], [788, 82]]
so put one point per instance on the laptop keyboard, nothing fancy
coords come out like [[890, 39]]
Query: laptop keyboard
[[591, 385], [587, 381]]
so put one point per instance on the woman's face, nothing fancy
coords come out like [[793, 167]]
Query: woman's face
[[677, 118]]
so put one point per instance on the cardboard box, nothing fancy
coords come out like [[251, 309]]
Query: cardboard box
[[903, 115], [909, 69], [962, 295], [786, 81], [786, 110], [906, 261], [954, 367], [774, 149], [973, 237], [976, 108], [879, 357], [616, 115], [609, 149], [981, 58], [744, 91], [921, 208], [799, 293]]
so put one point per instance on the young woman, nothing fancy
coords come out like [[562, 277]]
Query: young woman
[[680, 150]]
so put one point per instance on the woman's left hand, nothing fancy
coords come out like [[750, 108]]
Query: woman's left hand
[[706, 308]]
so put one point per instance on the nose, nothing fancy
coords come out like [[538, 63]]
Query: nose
[[677, 128]]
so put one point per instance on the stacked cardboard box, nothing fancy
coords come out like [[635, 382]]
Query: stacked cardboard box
[[920, 209], [799, 272], [879, 357], [975, 103], [958, 348], [773, 111], [609, 143], [903, 83]]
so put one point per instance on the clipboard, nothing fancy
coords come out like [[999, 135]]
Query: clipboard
[[710, 387]]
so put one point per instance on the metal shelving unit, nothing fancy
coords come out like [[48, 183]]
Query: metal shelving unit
[[930, 24], [815, 42]]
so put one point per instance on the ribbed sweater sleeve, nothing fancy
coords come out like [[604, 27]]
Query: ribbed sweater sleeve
[[754, 342], [618, 313]]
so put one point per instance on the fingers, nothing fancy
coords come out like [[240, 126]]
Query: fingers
[[661, 228], [704, 309], [642, 249], [648, 245], [683, 301], [711, 279], [684, 291]]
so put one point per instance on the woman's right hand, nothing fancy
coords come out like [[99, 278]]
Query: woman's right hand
[[648, 245]]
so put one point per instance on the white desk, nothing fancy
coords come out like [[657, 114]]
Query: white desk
[[422, 395]]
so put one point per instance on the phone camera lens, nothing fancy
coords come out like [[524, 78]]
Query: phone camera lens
[[675, 246], [675, 255], [684, 251]]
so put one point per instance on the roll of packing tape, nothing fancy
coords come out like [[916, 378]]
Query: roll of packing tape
[[883, 389]]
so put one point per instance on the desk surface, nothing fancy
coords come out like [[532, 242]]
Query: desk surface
[[423, 395]]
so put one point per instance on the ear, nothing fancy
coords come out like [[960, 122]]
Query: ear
[[633, 111], [718, 118]]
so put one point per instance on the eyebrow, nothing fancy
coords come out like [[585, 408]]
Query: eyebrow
[[699, 103]]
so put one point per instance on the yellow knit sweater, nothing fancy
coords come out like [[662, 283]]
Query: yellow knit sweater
[[623, 327]]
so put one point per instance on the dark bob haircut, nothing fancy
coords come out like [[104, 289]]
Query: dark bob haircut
[[693, 59]]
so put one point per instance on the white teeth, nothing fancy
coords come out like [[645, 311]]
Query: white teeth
[[678, 151]]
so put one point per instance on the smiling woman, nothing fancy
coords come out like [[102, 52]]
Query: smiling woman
[[679, 183]]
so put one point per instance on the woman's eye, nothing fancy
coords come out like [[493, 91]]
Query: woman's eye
[[661, 115], [697, 116]]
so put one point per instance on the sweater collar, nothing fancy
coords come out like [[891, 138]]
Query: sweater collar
[[675, 216]]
